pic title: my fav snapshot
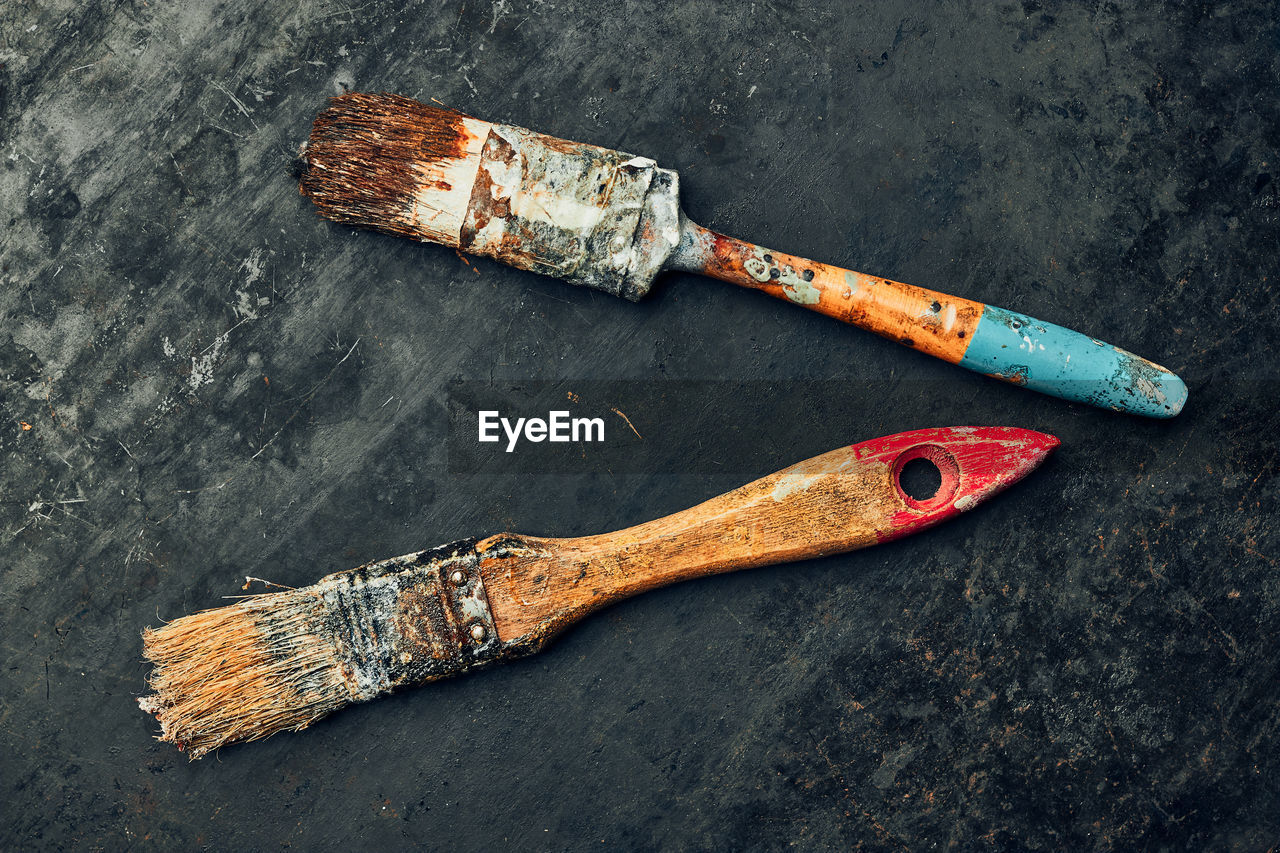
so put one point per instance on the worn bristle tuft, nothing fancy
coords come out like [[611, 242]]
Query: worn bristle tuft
[[392, 164], [242, 672]]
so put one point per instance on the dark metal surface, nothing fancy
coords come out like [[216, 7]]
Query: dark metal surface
[[219, 383]]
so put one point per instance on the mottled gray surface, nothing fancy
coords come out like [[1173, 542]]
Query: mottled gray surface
[[218, 383]]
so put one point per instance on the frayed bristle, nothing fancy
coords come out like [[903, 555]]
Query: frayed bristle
[[243, 672], [392, 164]]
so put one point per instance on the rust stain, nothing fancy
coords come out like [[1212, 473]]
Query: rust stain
[[422, 631], [489, 200], [588, 215]]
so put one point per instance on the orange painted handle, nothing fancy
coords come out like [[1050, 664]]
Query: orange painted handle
[[926, 320], [1002, 344]]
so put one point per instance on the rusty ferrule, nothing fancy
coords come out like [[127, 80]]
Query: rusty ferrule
[[591, 216], [409, 620]]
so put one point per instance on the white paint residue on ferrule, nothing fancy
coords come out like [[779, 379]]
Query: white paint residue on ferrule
[[559, 209]]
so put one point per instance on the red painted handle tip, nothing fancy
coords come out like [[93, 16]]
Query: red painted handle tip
[[975, 463]]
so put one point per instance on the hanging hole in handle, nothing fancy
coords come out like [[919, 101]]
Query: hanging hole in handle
[[926, 476], [920, 478]]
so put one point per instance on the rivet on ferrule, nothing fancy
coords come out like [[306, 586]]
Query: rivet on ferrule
[[477, 633], [458, 578]]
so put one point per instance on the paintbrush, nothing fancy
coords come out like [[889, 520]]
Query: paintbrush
[[280, 661], [612, 221]]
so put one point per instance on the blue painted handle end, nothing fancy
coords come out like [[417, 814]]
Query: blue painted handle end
[[1057, 361]]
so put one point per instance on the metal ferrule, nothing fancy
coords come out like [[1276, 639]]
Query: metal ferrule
[[410, 619], [589, 215]]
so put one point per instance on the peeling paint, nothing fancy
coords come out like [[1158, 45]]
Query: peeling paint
[[766, 267], [588, 215], [850, 284], [1058, 361]]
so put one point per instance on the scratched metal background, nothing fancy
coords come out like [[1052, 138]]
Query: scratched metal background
[[217, 383]]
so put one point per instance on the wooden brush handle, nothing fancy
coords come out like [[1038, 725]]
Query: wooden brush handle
[[1002, 344], [836, 502]]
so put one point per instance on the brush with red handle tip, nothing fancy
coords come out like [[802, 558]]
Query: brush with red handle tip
[[282, 660], [611, 221]]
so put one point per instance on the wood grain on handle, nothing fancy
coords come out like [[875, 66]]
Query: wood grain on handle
[[1002, 344], [837, 502]]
